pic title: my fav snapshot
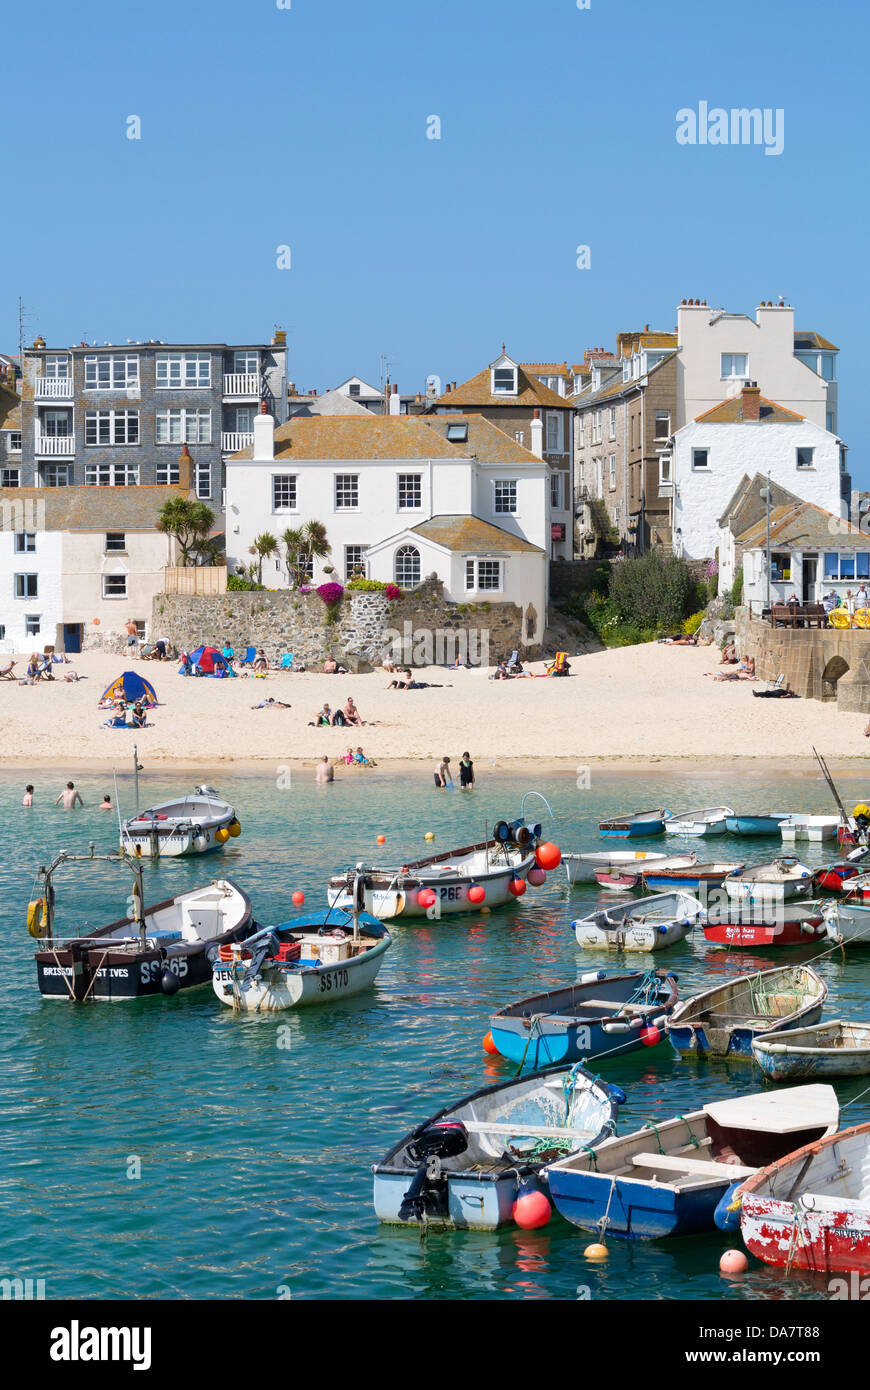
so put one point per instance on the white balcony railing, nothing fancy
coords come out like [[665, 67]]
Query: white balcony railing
[[53, 444], [232, 442], [54, 388], [242, 384]]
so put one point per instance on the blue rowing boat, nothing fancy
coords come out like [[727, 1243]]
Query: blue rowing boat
[[601, 1015], [668, 1178], [634, 825], [757, 825]]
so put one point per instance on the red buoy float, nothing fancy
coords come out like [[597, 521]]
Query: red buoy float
[[426, 897], [489, 1045], [537, 877], [548, 855], [476, 893], [517, 887], [298, 898], [650, 1035], [532, 1209]]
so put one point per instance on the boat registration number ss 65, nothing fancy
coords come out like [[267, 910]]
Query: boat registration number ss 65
[[335, 979]]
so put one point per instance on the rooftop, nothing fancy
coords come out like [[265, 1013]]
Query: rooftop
[[469, 533], [803, 525], [95, 508], [477, 391], [730, 412]]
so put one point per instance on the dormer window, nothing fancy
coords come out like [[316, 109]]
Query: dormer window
[[504, 381]]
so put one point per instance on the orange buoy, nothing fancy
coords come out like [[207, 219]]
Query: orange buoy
[[548, 855], [489, 1045], [298, 898], [382, 839], [733, 1262], [476, 893], [516, 887], [532, 1208], [596, 1252]]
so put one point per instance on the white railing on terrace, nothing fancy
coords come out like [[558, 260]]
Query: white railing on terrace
[[231, 443], [242, 384], [54, 388], [55, 444]]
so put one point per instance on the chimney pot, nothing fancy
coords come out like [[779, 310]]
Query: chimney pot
[[750, 401]]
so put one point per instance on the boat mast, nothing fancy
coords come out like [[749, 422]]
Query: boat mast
[[136, 776]]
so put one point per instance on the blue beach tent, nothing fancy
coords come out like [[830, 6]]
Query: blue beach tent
[[130, 686]]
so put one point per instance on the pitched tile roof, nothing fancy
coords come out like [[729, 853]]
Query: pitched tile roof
[[365, 436], [330, 403], [806, 527], [747, 497], [95, 508], [615, 385], [530, 392], [486, 440], [548, 368], [730, 412], [808, 341], [469, 533]]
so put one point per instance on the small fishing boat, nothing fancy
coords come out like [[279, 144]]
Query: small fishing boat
[[814, 828], [837, 878], [156, 950], [724, 1020], [440, 884], [840, 1048], [312, 959], [649, 924], [755, 923], [811, 1210], [668, 1178], [634, 824], [468, 1165], [765, 824], [582, 868], [858, 889], [600, 1014], [690, 880], [848, 920], [623, 880], [712, 821], [192, 824], [779, 881]]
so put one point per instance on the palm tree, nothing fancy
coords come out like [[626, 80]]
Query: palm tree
[[265, 544], [189, 522], [302, 545]]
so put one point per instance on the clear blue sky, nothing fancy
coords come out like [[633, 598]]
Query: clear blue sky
[[307, 127]]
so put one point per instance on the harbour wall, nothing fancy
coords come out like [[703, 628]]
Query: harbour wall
[[421, 628], [818, 663]]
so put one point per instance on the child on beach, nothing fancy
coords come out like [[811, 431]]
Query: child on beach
[[466, 772], [443, 776]]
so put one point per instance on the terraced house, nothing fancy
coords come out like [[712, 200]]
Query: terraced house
[[114, 415]]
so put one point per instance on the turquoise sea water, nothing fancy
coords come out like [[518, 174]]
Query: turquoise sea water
[[255, 1158]]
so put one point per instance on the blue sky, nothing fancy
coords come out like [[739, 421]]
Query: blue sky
[[306, 127]]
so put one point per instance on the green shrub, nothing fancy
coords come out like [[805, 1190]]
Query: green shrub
[[367, 586], [692, 623], [236, 583], [737, 588], [653, 592]]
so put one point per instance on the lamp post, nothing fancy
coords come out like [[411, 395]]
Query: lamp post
[[765, 493]]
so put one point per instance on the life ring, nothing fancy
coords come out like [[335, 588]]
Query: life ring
[[37, 917]]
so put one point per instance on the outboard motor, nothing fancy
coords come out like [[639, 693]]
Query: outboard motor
[[428, 1191]]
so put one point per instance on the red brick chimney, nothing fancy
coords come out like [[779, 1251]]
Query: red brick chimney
[[751, 402]]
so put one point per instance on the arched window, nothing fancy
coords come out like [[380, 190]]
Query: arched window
[[407, 566]]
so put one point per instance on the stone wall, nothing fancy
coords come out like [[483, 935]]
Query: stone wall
[[818, 663], [422, 627]]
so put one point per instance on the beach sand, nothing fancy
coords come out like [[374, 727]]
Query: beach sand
[[644, 704]]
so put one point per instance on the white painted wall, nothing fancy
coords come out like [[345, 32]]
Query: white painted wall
[[46, 563], [767, 341], [700, 496]]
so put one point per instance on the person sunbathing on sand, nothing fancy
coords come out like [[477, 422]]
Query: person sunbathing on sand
[[272, 703]]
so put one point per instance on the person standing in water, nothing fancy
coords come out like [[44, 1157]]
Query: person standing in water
[[325, 771], [69, 796], [443, 776], [27, 799], [466, 772]]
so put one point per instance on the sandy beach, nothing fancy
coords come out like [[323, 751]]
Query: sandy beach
[[644, 704]]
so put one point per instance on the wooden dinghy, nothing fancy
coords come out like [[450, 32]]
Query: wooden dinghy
[[724, 1020], [754, 923], [691, 880], [840, 1048], [601, 1014], [778, 881], [313, 959], [634, 824], [650, 924], [439, 885], [629, 877], [766, 823], [668, 1178], [848, 920], [582, 868], [815, 828], [811, 1210], [838, 878], [711, 821], [192, 824], [466, 1165]]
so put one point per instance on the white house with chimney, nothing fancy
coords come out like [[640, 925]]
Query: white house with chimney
[[401, 497], [748, 434]]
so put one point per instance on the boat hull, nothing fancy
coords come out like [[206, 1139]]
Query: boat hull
[[754, 825], [725, 1020], [814, 1052], [850, 922], [640, 937], [815, 829], [633, 830], [683, 879], [549, 1029], [451, 894], [275, 988], [582, 868], [740, 935], [636, 1210]]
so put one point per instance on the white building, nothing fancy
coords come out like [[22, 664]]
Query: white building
[[718, 351], [812, 553], [747, 434], [397, 495], [77, 561]]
